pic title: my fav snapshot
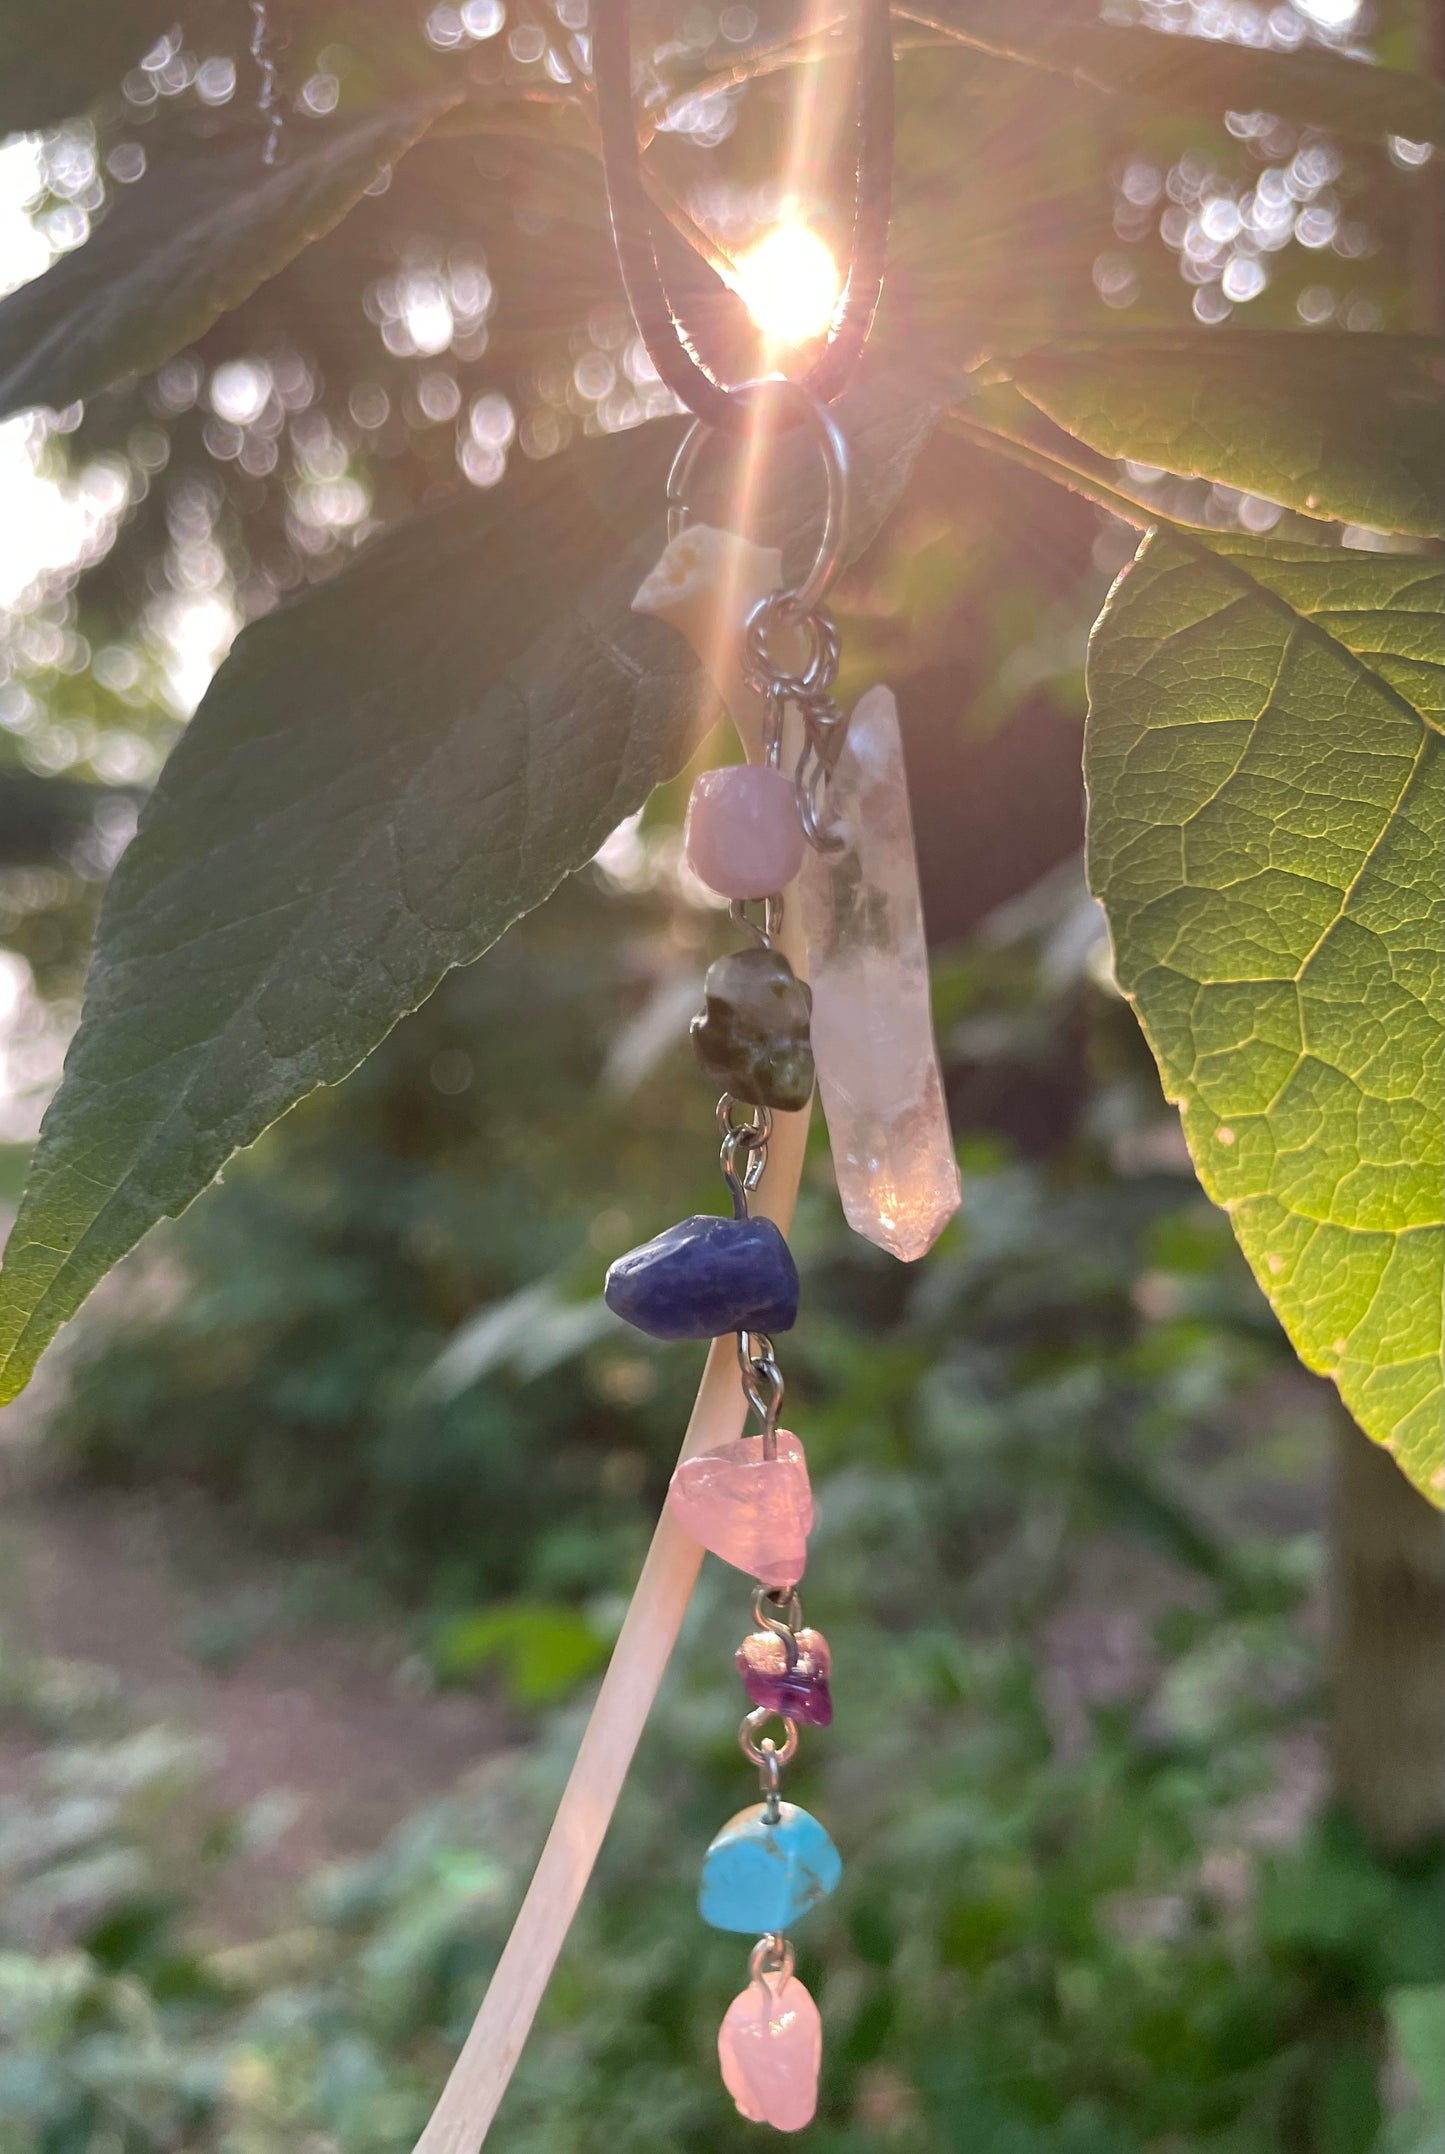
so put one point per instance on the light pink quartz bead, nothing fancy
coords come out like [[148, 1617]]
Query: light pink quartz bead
[[744, 836], [770, 2046], [754, 1512]]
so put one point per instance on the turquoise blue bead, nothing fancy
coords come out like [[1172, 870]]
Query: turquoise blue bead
[[758, 1877]]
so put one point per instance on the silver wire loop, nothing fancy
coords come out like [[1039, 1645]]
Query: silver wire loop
[[763, 1385], [823, 738], [775, 710], [809, 687], [833, 445], [765, 932], [748, 1139], [782, 1614], [770, 1962]]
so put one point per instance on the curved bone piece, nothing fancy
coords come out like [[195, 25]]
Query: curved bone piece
[[705, 584]]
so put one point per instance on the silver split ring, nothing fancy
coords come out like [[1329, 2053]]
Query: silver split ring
[[833, 447]]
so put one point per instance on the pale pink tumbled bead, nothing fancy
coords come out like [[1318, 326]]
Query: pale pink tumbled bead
[[753, 1511], [770, 2046], [744, 836]]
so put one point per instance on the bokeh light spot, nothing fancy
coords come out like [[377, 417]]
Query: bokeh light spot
[[1330, 14]]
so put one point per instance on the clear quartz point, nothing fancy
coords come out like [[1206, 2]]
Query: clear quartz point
[[878, 1074]]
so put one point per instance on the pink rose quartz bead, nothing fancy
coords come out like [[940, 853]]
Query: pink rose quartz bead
[[770, 2047], [754, 1512], [744, 836]]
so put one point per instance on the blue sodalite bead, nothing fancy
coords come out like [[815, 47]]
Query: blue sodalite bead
[[759, 1877], [705, 1277]]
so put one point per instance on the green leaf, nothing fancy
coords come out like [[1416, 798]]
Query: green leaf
[[1265, 811], [193, 237], [384, 775], [1189, 75], [1340, 426], [1384, 608], [543, 1649], [60, 56]]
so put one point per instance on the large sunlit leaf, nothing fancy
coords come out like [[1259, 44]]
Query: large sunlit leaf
[[191, 238], [57, 56], [1190, 75], [1265, 822], [1337, 426], [383, 776]]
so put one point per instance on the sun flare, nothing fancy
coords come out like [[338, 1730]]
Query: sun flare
[[789, 284]]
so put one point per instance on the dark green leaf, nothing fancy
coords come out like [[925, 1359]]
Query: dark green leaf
[[1265, 816], [57, 56], [193, 237], [1190, 75], [382, 778], [1341, 426]]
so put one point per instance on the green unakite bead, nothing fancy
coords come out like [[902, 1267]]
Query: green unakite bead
[[753, 1035]]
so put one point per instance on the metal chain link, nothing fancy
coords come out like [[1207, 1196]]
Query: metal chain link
[[763, 1385], [748, 1138], [764, 932], [808, 686]]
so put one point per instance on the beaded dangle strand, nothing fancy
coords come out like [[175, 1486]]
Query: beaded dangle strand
[[748, 829]]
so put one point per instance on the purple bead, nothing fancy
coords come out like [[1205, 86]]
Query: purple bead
[[705, 1277], [800, 1691], [744, 835]]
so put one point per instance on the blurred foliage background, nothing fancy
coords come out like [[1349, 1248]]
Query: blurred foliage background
[[1143, 1847]]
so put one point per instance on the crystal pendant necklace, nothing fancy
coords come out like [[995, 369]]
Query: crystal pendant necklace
[[816, 823], [810, 843]]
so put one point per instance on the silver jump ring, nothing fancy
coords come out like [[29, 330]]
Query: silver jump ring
[[754, 1130], [768, 1756], [833, 446], [820, 669]]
